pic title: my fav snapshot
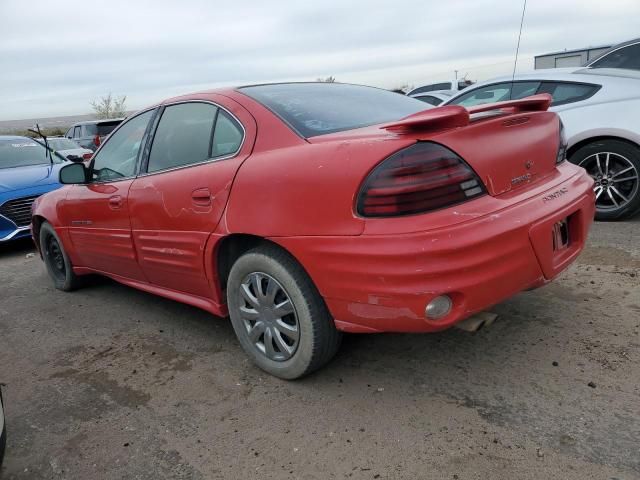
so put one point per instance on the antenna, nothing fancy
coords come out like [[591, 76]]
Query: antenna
[[515, 63]]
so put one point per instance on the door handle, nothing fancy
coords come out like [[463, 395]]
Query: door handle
[[201, 196], [115, 202]]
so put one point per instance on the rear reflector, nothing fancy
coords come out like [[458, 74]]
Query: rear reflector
[[424, 177]]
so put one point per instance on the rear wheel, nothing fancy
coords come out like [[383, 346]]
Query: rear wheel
[[280, 319], [615, 167], [56, 260]]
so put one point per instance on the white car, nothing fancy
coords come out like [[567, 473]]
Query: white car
[[452, 86], [66, 148], [599, 108], [434, 98]]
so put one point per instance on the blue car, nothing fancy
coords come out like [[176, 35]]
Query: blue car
[[27, 171]]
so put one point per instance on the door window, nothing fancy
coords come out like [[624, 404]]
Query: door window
[[118, 156], [76, 132], [498, 92], [183, 136]]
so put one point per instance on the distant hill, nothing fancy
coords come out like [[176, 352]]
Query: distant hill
[[9, 126]]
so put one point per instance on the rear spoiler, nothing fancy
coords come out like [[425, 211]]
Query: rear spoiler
[[453, 116]]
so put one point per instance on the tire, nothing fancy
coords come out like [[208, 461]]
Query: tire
[[302, 334], [617, 160], [56, 260]]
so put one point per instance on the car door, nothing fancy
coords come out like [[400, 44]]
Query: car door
[[97, 213], [178, 201]]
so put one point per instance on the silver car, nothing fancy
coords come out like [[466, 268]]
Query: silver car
[[599, 109]]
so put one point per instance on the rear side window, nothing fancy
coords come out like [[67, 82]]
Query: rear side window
[[312, 109], [431, 88], [498, 92], [183, 136], [227, 135], [430, 100], [565, 92], [625, 57]]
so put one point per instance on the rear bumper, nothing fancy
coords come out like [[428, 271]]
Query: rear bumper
[[382, 283]]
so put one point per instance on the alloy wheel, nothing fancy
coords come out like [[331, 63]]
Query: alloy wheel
[[269, 317], [616, 179]]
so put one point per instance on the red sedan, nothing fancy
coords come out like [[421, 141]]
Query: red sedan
[[306, 210]]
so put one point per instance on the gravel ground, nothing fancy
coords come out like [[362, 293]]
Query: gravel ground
[[109, 383]]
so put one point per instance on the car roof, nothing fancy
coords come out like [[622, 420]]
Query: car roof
[[95, 122], [616, 82]]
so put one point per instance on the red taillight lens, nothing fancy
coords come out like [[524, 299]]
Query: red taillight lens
[[87, 156], [96, 140], [420, 178]]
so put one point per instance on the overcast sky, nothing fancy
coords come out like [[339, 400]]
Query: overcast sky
[[56, 56]]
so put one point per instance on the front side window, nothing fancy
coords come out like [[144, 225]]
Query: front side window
[[625, 57], [565, 92], [118, 156], [76, 132], [183, 136], [498, 92]]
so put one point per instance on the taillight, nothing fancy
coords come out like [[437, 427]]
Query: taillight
[[96, 140], [87, 156], [562, 145], [420, 178]]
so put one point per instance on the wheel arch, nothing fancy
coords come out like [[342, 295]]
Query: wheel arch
[[578, 145], [233, 246]]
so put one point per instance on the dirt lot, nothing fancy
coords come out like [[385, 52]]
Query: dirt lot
[[109, 382]]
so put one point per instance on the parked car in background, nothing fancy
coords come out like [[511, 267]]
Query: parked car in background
[[90, 134], [66, 148], [599, 109], [27, 170], [303, 210], [453, 85], [434, 98], [624, 55]]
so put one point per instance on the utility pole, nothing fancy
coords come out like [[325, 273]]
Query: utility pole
[[456, 74]]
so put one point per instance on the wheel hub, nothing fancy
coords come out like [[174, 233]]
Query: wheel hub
[[270, 321], [615, 179]]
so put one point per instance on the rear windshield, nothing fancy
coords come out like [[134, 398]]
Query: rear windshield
[[102, 129], [22, 152], [319, 108], [62, 144]]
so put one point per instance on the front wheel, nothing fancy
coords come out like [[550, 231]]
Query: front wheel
[[56, 260], [280, 319], [615, 167]]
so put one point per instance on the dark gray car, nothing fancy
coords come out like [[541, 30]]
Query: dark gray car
[[91, 134]]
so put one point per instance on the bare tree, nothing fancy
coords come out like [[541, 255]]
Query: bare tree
[[330, 79], [109, 106]]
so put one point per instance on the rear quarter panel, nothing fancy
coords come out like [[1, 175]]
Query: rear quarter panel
[[615, 119]]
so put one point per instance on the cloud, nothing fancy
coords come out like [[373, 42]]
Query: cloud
[[57, 56]]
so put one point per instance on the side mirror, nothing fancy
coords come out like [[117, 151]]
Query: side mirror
[[74, 158], [73, 173]]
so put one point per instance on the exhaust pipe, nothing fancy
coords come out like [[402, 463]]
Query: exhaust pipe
[[477, 321]]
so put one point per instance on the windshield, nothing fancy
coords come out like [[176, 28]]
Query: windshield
[[22, 152], [319, 108], [62, 143]]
